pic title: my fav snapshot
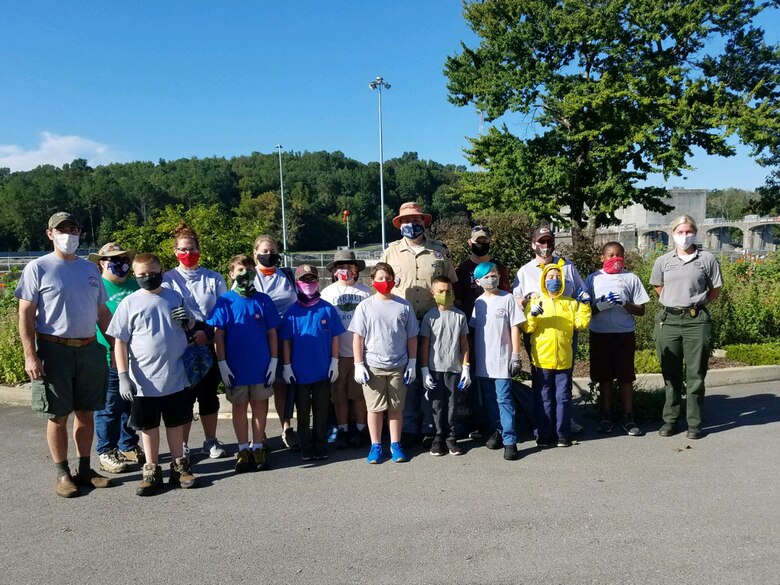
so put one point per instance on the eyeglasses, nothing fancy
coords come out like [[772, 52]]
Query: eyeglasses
[[185, 250]]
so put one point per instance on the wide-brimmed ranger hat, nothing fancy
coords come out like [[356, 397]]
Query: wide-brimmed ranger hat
[[345, 257], [110, 250], [411, 208]]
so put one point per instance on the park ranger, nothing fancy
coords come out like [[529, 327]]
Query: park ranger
[[687, 280]]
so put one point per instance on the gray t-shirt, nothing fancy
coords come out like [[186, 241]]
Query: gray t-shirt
[[528, 279], [200, 289], [155, 343], [279, 288], [345, 299], [385, 326], [67, 294], [492, 320], [630, 289], [444, 329], [686, 283]]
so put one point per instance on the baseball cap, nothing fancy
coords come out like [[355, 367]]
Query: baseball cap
[[306, 270], [541, 232], [480, 231], [61, 217]]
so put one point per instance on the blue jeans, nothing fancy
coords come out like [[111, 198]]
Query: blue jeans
[[552, 403], [500, 405], [111, 423]]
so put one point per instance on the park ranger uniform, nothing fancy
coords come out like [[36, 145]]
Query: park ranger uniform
[[683, 330]]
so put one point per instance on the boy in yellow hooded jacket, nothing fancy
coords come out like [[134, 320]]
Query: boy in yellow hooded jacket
[[551, 319]]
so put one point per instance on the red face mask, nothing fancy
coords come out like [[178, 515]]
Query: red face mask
[[189, 259], [384, 287], [614, 265]]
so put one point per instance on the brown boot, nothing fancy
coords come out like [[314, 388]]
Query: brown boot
[[181, 474], [152, 480], [94, 479], [66, 488]]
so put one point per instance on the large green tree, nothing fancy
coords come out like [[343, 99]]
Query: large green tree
[[593, 96]]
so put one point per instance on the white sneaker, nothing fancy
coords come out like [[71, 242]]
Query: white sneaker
[[576, 428], [213, 448]]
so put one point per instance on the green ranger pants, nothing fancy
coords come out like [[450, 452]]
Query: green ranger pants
[[683, 344]]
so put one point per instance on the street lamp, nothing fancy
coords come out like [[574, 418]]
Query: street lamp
[[378, 84], [284, 223]]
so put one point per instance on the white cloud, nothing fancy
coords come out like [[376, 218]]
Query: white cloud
[[56, 150]]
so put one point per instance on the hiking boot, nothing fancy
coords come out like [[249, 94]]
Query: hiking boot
[[260, 459], [213, 448], [245, 461], [290, 439], [151, 480], [510, 452], [112, 462], [452, 446], [93, 479], [694, 433], [134, 455], [65, 487], [181, 474], [495, 441], [342, 439], [668, 430], [437, 447]]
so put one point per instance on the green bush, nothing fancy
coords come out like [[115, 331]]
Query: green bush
[[765, 354], [646, 362], [11, 353]]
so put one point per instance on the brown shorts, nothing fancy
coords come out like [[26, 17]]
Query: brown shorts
[[242, 394], [345, 388], [612, 357], [385, 390]]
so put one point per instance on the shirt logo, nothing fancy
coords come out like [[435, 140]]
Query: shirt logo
[[500, 313], [93, 281]]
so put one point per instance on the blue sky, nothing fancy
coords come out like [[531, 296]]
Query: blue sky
[[178, 79]]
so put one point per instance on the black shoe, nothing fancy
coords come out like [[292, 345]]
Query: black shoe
[[453, 447], [510, 452], [409, 440], [307, 454], [545, 443], [668, 430], [437, 446], [427, 442], [694, 433], [342, 441], [564, 442], [495, 441]]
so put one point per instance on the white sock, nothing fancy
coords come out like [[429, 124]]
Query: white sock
[[360, 427], [242, 446], [257, 445]]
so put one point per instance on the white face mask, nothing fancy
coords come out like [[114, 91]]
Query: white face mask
[[66, 243], [684, 241]]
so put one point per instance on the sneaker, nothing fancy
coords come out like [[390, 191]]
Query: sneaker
[[290, 439], [476, 434], [605, 426], [495, 441], [307, 454], [510, 452], [245, 461], [213, 448], [151, 480], [397, 453], [452, 446], [260, 458], [632, 429], [65, 487], [181, 474], [668, 430], [375, 454], [694, 433], [437, 447], [545, 443], [320, 455], [134, 455], [427, 442], [576, 428], [342, 439], [564, 442], [112, 462], [93, 479]]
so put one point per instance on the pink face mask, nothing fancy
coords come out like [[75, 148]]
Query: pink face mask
[[308, 288], [613, 265]]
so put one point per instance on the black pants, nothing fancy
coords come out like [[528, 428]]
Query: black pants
[[444, 402], [313, 400]]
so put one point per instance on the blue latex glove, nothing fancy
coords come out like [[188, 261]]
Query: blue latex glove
[[583, 296]]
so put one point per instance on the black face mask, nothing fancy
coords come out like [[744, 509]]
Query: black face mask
[[150, 281], [268, 260], [480, 249]]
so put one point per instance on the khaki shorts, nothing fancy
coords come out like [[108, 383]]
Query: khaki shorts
[[385, 390], [75, 378], [242, 394], [345, 388]]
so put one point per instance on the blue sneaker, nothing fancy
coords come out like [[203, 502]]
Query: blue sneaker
[[397, 453], [375, 454]]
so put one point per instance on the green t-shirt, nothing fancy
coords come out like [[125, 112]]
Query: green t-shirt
[[116, 292]]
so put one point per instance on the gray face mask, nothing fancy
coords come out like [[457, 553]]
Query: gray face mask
[[488, 282]]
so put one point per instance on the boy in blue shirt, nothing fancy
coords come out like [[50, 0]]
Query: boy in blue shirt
[[245, 322], [310, 353]]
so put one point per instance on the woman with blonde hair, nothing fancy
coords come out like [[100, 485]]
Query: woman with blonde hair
[[686, 279]]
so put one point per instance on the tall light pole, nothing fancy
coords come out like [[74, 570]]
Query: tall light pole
[[378, 84], [284, 222]]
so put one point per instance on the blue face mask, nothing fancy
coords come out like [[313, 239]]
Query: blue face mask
[[119, 269], [412, 231], [553, 286]]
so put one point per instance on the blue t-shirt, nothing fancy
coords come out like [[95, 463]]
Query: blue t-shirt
[[245, 322], [311, 330]]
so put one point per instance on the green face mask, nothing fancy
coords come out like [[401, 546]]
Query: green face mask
[[445, 299], [245, 283]]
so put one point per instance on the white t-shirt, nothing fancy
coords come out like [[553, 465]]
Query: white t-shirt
[[492, 320], [345, 299], [529, 276], [67, 294], [155, 343], [385, 326], [279, 288], [630, 289], [200, 288]]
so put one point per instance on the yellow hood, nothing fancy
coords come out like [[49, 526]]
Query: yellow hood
[[543, 287]]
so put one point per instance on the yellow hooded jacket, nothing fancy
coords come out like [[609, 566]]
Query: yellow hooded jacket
[[553, 330]]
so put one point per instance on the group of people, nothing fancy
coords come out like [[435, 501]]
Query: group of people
[[114, 349]]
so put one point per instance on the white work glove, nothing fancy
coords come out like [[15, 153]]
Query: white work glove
[[465, 379], [288, 374], [126, 387], [537, 309], [270, 373], [227, 376], [411, 372], [514, 364], [333, 371], [428, 380], [361, 373]]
